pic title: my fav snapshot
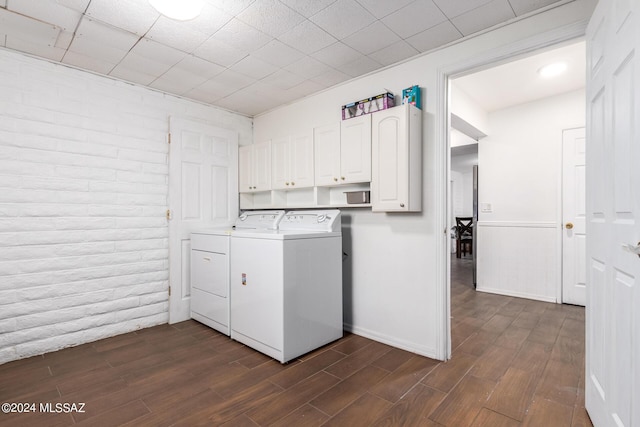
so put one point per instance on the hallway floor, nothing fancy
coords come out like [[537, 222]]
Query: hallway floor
[[515, 363]]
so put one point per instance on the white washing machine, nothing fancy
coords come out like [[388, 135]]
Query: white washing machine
[[286, 284], [210, 267]]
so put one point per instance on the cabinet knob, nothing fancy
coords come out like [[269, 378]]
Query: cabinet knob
[[287, 183], [402, 205], [342, 178], [335, 179], [293, 183]]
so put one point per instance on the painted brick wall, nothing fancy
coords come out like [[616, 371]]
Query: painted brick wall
[[83, 194]]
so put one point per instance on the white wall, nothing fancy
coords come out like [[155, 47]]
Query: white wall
[[83, 194], [391, 283], [520, 176]]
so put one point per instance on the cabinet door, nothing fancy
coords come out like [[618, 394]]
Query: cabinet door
[[262, 166], [280, 161], [326, 147], [301, 160], [355, 150], [390, 153], [245, 154]]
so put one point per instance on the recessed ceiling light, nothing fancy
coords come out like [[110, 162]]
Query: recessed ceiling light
[[180, 10], [552, 70]]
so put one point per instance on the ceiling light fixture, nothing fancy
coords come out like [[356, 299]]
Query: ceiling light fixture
[[180, 10], [552, 70]]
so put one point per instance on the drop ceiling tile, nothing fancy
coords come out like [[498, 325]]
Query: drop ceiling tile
[[483, 17], [132, 74], [232, 7], [48, 11], [453, 8], [414, 18], [397, 52], [102, 42], [64, 39], [307, 37], [219, 52], [283, 79], [343, 18], [175, 34], [77, 5], [253, 67], [242, 36], [360, 66], [157, 52], [88, 62], [210, 91], [199, 66], [147, 61], [308, 8], [382, 8], [38, 49], [234, 80], [308, 67], [3, 3], [136, 16], [305, 88], [520, 7], [32, 31], [435, 36], [337, 54], [177, 81], [278, 53], [372, 38], [210, 20], [270, 16], [331, 78]]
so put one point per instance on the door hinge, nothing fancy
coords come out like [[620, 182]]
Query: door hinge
[[169, 290], [168, 214], [169, 139]]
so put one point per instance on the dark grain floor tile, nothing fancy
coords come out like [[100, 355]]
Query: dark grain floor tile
[[305, 416], [446, 375], [396, 384], [513, 394], [361, 413], [545, 413], [413, 409], [345, 392], [464, 402], [487, 418]]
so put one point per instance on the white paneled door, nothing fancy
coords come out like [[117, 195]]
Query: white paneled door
[[203, 192], [573, 217], [612, 385]]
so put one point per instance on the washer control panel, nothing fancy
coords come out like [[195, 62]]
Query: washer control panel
[[323, 220]]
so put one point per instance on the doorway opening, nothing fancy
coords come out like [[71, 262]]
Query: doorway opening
[[509, 121]]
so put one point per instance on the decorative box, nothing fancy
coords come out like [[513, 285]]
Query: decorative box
[[368, 105], [411, 95]]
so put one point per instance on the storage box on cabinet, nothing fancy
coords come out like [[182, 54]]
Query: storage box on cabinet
[[396, 181]]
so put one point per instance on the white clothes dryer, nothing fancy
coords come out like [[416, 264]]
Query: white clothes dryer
[[286, 284], [210, 267]]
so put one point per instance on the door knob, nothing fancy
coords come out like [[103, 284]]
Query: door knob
[[569, 225]]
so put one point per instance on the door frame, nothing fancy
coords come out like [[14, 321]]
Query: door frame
[[442, 143]]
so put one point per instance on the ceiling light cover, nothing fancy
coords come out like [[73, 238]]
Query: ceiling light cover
[[552, 70], [180, 10]]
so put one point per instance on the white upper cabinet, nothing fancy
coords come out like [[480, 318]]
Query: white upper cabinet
[[396, 182], [326, 142], [355, 149], [255, 167], [343, 152], [292, 162]]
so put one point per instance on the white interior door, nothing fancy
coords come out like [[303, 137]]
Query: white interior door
[[574, 272], [203, 192], [612, 386]]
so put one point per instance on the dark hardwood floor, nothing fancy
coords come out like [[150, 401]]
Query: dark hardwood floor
[[515, 362]]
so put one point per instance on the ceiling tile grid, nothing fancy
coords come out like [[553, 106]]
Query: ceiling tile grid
[[246, 55]]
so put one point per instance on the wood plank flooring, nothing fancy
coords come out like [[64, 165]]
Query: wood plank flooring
[[515, 363]]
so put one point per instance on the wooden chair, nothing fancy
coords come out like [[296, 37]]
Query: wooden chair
[[464, 235]]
